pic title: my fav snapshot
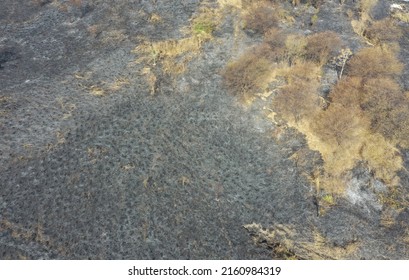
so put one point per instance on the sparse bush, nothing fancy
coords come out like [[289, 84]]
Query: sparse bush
[[382, 102], [260, 17], [248, 74], [383, 31], [373, 63], [322, 46]]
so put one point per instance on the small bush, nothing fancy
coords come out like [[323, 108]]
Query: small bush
[[387, 106], [275, 39], [248, 74], [383, 31], [348, 93], [373, 63], [260, 17], [322, 46], [381, 94], [339, 126], [396, 127], [297, 100], [382, 158], [295, 47], [301, 70]]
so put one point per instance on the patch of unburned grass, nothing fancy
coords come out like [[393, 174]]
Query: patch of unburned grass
[[401, 15], [286, 243], [175, 54]]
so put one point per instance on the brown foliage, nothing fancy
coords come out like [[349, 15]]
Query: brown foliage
[[373, 63], [348, 92], [322, 46], [383, 31], [381, 100], [275, 39], [260, 17], [248, 74], [305, 71], [397, 126], [297, 100], [339, 125], [387, 107]]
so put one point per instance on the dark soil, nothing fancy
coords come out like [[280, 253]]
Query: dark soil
[[130, 175]]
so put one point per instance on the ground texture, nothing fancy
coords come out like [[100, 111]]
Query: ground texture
[[93, 165]]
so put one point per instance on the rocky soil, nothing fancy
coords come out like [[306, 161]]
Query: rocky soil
[[95, 166]]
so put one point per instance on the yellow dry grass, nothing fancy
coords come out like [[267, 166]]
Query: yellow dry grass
[[381, 157], [401, 15], [155, 18], [365, 7], [238, 4], [175, 54], [118, 84], [287, 243]]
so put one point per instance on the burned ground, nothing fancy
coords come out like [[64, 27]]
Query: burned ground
[[95, 164]]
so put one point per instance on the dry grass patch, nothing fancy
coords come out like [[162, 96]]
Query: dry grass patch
[[401, 16], [383, 158], [365, 8], [172, 54], [300, 70]]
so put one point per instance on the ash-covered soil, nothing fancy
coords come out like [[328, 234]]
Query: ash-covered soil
[[173, 175]]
